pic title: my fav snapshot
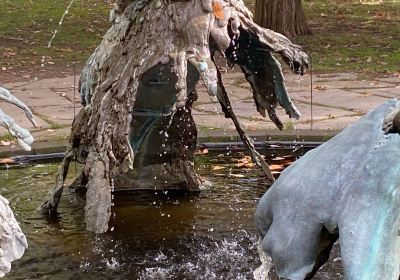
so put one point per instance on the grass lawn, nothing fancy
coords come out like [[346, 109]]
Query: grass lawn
[[348, 36], [26, 27]]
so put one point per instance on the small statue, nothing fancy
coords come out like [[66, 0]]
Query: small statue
[[12, 241], [347, 188], [23, 135]]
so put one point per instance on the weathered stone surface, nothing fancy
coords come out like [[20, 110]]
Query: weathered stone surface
[[388, 92], [57, 114], [335, 77], [392, 80], [338, 123], [297, 85], [351, 84], [337, 98]]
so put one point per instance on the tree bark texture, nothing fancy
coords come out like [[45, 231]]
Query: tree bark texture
[[150, 35], [283, 16]]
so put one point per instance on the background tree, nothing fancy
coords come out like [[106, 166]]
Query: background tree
[[283, 16]]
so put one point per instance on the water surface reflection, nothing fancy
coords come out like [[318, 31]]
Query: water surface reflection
[[210, 235]]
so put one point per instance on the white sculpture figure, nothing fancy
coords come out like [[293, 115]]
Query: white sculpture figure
[[23, 136], [12, 241]]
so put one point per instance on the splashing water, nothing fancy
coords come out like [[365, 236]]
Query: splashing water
[[60, 23], [228, 257]]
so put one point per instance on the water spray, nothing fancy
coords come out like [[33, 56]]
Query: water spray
[[60, 23]]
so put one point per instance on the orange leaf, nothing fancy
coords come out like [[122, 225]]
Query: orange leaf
[[218, 10], [236, 175], [275, 167], [217, 167], [201, 152], [6, 161], [249, 165]]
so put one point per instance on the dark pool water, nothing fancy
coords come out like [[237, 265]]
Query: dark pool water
[[154, 236], [161, 235]]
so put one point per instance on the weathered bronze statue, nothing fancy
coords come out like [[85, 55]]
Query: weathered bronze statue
[[138, 86], [347, 188]]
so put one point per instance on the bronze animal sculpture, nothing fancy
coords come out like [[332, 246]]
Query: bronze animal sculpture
[[346, 189]]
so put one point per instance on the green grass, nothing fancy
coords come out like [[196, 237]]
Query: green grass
[[348, 36], [6, 137], [27, 26]]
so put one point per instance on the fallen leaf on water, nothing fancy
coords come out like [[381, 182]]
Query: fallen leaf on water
[[243, 159], [237, 175], [278, 158], [217, 167], [201, 152], [6, 161], [246, 165], [275, 167]]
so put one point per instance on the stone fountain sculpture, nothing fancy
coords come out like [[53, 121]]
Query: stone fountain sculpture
[[12, 241], [347, 188], [138, 86]]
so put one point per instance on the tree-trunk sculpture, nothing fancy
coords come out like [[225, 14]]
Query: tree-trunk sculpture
[[180, 36]]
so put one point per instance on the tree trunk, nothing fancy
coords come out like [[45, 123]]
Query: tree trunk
[[283, 16]]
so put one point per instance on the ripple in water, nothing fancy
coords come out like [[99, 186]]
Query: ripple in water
[[206, 236]]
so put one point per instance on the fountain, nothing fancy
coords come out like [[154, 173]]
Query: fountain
[[345, 189], [136, 130]]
